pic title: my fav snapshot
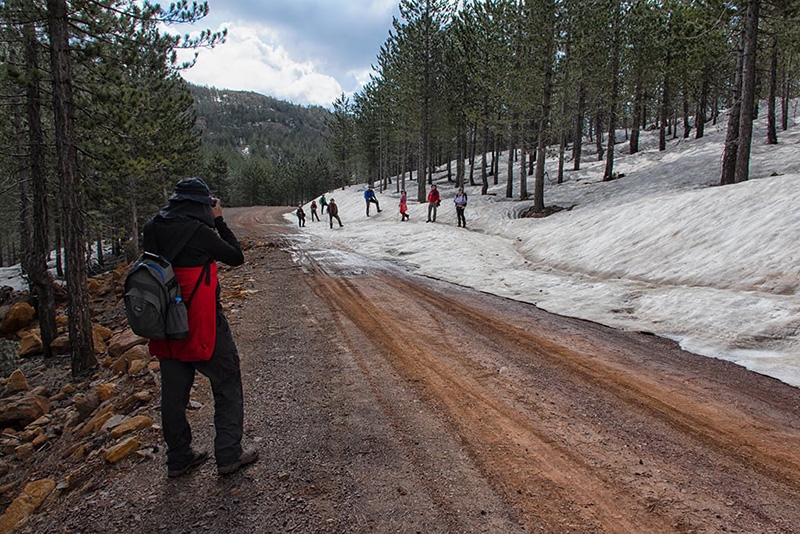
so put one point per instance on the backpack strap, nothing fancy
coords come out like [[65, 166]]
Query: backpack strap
[[204, 273]]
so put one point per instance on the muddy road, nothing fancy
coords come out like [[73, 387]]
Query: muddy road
[[486, 414]]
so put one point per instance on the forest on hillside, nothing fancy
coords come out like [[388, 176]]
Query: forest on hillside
[[259, 125], [259, 150], [456, 80]]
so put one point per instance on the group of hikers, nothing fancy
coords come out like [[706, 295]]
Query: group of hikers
[[434, 201], [333, 211]]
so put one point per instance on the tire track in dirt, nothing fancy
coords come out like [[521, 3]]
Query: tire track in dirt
[[756, 443], [519, 452], [496, 433]]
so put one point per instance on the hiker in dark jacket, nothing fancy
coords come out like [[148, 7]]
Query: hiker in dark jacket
[[301, 215], [460, 200], [191, 233], [333, 212]]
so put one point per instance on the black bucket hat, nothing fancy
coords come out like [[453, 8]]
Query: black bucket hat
[[194, 189]]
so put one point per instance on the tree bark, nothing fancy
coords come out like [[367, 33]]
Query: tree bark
[[473, 146], [748, 92], [544, 124], [786, 93], [772, 90], [484, 152], [633, 142], [422, 190], [577, 145], [702, 105], [462, 156], [40, 279], [687, 128], [598, 137], [608, 174], [665, 96], [510, 167], [80, 324], [523, 166], [496, 159]]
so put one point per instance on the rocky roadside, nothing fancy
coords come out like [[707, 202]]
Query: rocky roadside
[[60, 436]]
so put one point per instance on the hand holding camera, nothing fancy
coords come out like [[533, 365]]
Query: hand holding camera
[[216, 208]]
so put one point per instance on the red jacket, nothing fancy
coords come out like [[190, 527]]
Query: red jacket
[[433, 196], [202, 312]]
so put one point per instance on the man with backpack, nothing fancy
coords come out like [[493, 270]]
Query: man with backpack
[[192, 235]]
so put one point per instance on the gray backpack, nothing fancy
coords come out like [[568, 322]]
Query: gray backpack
[[153, 302]]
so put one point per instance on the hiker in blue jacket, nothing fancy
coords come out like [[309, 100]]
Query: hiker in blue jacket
[[370, 198]]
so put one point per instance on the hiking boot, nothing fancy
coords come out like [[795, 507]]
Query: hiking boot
[[198, 458], [248, 456]]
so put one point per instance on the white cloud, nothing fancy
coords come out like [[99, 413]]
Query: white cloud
[[252, 60], [362, 76]]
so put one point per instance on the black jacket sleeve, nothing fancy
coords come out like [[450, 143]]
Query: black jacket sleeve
[[208, 244], [226, 248]]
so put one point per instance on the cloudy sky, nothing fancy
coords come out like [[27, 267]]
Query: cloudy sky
[[303, 51]]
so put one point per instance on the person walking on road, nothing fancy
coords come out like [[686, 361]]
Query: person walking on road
[[433, 203], [333, 212], [191, 232], [460, 201], [301, 216], [322, 204], [314, 211], [370, 198]]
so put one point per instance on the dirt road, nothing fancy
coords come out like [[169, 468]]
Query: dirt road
[[386, 402], [559, 424]]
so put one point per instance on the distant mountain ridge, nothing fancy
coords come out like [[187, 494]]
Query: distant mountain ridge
[[259, 125]]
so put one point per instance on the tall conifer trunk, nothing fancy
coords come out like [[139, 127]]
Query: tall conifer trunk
[[664, 111], [577, 144], [702, 105], [510, 168], [80, 324], [748, 92], [772, 133], [40, 279], [732, 135], [616, 17]]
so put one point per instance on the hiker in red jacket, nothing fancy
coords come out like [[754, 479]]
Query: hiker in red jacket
[[403, 205], [433, 203], [191, 233]]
